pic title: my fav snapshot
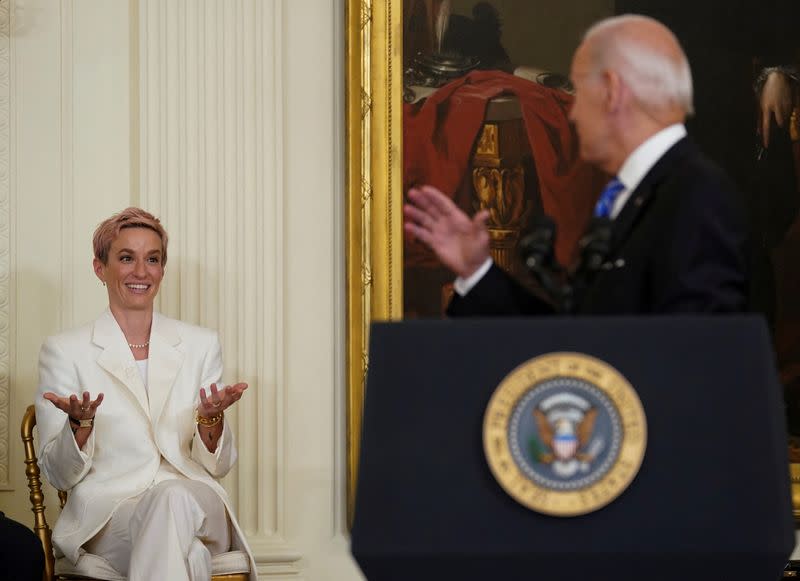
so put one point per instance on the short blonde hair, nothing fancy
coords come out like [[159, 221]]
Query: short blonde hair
[[109, 229]]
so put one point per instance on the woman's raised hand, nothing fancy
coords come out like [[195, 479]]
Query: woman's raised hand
[[219, 400], [82, 408]]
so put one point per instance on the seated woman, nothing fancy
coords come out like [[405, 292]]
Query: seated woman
[[141, 460]]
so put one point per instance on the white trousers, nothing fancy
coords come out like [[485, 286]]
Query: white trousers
[[168, 532]]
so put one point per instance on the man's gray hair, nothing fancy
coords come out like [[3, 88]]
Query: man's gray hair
[[656, 79]]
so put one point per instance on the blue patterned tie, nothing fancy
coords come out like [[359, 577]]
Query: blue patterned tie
[[606, 202]]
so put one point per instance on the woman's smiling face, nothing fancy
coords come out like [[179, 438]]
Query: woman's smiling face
[[134, 270]]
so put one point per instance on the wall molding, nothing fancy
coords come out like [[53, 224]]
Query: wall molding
[[210, 111], [6, 339], [67, 149]]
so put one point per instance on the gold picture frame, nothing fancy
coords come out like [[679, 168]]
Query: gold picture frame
[[374, 194]]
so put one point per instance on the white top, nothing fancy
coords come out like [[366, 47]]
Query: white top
[[166, 471], [634, 168], [142, 365]]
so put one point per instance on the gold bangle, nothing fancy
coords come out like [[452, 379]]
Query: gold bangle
[[209, 422]]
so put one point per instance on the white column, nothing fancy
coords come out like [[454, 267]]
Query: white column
[[65, 164], [211, 168], [5, 254]]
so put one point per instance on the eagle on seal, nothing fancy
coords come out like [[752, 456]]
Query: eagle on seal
[[565, 438]]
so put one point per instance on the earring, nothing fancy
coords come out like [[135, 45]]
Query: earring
[[104, 283]]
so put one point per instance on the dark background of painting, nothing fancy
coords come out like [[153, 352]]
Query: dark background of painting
[[727, 42], [543, 33]]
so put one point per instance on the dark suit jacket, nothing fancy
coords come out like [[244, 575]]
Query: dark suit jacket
[[678, 246], [21, 554]]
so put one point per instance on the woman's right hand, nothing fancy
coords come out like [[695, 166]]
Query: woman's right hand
[[83, 408], [77, 409]]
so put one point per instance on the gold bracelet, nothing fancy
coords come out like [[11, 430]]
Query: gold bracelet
[[209, 422]]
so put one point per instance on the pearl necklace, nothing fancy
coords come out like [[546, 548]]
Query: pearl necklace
[[139, 345]]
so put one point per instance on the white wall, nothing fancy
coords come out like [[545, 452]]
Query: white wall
[[226, 120]]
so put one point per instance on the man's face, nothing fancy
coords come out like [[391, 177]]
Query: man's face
[[588, 112]]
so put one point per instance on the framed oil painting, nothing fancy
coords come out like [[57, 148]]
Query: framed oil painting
[[472, 96]]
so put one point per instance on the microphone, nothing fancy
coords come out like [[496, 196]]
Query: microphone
[[595, 245], [536, 247], [537, 250]]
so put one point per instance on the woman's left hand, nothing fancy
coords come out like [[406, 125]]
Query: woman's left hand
[[219, 400]]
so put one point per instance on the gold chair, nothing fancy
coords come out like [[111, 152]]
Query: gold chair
[[230, 566]]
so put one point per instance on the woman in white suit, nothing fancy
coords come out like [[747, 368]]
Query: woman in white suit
[[141, 459]]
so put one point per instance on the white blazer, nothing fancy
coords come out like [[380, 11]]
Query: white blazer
[[134, 427]]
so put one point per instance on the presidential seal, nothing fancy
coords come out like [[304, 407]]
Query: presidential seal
[[564, 434]]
